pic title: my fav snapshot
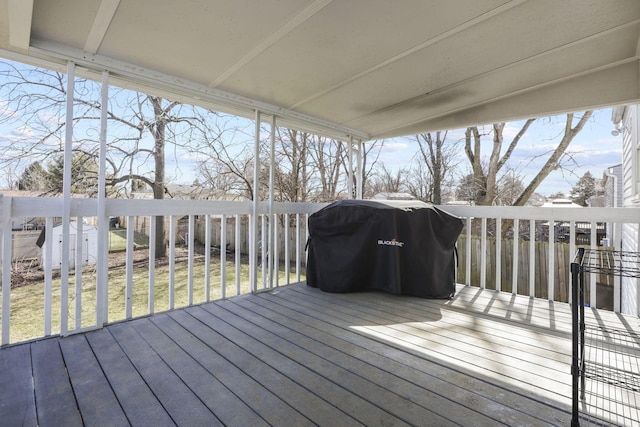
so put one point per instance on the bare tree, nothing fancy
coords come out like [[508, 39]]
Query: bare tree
[[439, 158], [486, 177], [387, 180], [486, 172], [554, 161], [141, 127]]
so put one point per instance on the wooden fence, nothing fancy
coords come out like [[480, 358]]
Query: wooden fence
[[562, 275]]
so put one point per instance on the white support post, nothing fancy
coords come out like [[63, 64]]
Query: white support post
[[102, 267], [6, 268], [253, 249], [66, 204], [271, 224], [516, 247]]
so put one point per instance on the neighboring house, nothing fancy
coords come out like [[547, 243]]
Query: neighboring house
[[626, 120], [393, 196], [613, 189], [560, 203]]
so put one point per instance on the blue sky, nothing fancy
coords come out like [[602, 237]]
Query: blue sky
[[594, 149]]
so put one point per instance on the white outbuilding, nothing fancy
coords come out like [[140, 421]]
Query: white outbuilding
[[89, 245]]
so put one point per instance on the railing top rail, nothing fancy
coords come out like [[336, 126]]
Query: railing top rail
[[623, 215], [52, 207]]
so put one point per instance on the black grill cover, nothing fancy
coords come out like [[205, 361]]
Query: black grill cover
[[402, 247]]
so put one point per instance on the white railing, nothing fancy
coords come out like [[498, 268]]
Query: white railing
[[538, 235], [91, 293], [211, 255]]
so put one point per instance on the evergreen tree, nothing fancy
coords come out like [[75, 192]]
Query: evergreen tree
[[584, 189], [34, 178]]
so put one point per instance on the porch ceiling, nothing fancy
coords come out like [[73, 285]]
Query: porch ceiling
[[368, 68]]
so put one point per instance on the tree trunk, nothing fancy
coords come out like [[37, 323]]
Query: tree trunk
[[158, 131]]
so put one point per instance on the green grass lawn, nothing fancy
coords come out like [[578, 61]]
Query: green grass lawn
[[27, 302]]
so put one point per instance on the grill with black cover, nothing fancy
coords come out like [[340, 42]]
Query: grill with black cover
[[401, 247]]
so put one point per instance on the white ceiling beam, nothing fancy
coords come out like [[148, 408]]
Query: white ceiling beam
[[274, 37], [136, 77], [20, 14], [101, 23]]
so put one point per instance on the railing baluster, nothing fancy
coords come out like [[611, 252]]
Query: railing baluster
[[572, 246], [152, 265], [467, 278], [238, 254], [483, 254], [551, 261], [593, 277], [207, 258], [172, 261], [223, 256], [298, 248], [532, 258], [516, 247], [48, 270], [78, 274], [264, 261], [190, 261], [286, 249], [498, 254], [129, 268], [276, 253]]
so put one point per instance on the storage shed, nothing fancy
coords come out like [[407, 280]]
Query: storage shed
[[89, 245]]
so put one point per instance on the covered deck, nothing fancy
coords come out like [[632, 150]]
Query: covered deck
[[299, 356]]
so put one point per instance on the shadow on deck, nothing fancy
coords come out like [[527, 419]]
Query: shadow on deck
[[298, 356]]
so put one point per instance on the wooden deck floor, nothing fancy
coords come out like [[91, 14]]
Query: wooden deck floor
[[297, 356]]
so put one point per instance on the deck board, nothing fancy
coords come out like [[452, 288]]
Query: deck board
[[55, 400], [299, 356], [184, 407], [96, 400], [17, 403], [134, 395], [245, 372], [227, 407]]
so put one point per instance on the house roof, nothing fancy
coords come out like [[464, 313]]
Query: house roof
[[366, 68]]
